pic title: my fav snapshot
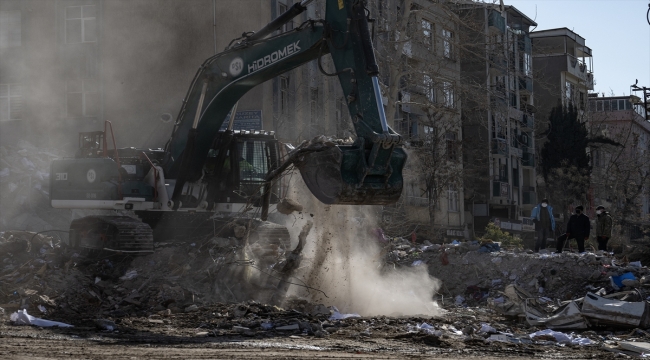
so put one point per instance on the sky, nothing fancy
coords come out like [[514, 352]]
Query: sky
[[617, 32]]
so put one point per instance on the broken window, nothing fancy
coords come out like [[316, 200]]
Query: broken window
[[10, 29], [11, 102], [80, 24], [82, 98]]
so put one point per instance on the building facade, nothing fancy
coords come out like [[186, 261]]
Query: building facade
[[620, 177], [498, 115]]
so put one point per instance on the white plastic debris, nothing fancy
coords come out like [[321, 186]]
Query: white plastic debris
[[561, 337], [417, 263], [486, 328], [636, 264], [21, 317], [97, 279], [42, 309], [336, 315], [459, 300], [130, 275]]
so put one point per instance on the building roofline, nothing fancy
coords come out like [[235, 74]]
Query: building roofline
[[530, 21]]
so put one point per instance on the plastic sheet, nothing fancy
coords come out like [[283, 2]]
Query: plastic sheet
[[21, 317]]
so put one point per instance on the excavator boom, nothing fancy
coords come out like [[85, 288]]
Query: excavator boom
[[367, 172]]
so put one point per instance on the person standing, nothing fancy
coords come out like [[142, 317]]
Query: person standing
[[603, 227], [542, 215], [578, 228]]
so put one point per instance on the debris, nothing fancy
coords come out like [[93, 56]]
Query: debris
[[560, 337], [288, 327], [287, 206], [602, 311], [104, 324], [487, 329], [567, 316], [641, 348], [130, 275], [21, 317], [191, 308], [240, 329], [336, 315]]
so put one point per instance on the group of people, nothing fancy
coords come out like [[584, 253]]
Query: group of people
[[578, 227]]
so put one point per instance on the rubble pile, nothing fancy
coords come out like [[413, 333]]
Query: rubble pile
[[471, 273], [24, 189]]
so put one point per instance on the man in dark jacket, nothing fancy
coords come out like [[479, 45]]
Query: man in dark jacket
[[578, 228], [603, 227]]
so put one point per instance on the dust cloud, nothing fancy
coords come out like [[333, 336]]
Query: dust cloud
[[343, 258]]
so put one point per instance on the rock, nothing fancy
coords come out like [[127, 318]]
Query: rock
[[191, 308], [288, 206], [595, 275], [166, 312]]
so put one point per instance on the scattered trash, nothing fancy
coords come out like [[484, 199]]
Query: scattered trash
[[459, 300], [417, 263], [617, 281], [487, 329], [130, 275], [42, 309], [21, 317], [191, 308], [559, 337], [266, 325]]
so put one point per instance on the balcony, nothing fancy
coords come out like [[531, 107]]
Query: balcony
[[499, 147], [499, 89], [525, 44], [497, 64], [500, 189], [496, 21], [529, 198], [526, 84], [528, 159], [579, 69], [527, 122]]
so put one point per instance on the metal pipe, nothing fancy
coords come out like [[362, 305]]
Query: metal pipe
[[380, 105]]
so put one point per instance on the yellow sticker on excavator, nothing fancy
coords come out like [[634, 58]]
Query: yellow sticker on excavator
[[341, 5]]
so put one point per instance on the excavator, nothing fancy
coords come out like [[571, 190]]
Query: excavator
[[203, 179]]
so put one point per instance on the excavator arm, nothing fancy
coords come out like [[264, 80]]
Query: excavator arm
[[367, 172]]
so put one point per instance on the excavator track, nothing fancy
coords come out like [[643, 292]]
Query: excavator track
[[111, 233]]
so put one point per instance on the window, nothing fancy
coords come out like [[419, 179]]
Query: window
[[569, 91], [429, 90], [448, 94], [452, 153], [528, 68], [284, 95], [452, 199], [447, 44], [82, 98], [11, 102], [426, 33], [80, 24], [10, 29], [282, 8], [599, 105], [313, 104]]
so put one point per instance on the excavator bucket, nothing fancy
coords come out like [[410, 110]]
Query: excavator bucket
[[340, 175]]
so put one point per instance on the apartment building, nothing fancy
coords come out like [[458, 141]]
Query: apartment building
[[564, 68], [620, 178], [498, 115]]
